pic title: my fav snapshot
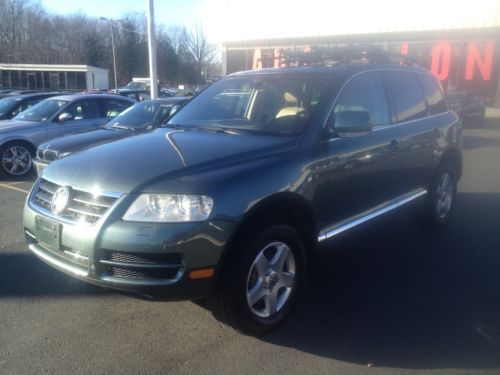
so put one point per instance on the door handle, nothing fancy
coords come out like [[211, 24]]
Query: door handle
[[394, 145]]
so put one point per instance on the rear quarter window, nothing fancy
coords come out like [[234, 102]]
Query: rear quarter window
[[407, 95], [433, 94]]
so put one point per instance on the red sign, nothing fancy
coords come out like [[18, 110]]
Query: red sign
[[477, 61]]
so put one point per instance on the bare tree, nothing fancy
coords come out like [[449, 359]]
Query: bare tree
[[30, 35], [203, 52]]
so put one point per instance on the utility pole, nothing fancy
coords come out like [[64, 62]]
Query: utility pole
[[114, 53], [112, 47], [153, 74]]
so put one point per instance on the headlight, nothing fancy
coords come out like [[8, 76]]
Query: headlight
[[169, 208]]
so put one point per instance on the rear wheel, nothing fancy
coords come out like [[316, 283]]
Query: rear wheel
[[16, 159], [438, 208], [258, 286]]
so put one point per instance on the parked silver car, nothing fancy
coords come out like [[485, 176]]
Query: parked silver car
[[52, 118]]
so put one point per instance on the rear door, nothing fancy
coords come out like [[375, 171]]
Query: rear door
[[418, 103], [358, 171]]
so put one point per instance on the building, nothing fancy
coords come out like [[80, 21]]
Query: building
[[465, 59], [53, 77]]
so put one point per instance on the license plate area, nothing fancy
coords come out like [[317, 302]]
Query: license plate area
[[48, 233]]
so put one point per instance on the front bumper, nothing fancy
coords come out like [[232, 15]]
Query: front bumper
[[154, 260]]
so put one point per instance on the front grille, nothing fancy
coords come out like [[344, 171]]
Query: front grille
[[47, 155], [141, 274], [148, 266], [143, 258], [83, 207]]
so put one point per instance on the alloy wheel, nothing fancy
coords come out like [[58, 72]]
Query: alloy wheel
[[16, 160], [271, 279], [444, 195]]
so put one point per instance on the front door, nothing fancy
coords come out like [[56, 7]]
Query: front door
[[357, 171], [84, 114]]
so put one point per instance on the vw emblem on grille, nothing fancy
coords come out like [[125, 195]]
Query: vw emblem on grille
[[59, 200]]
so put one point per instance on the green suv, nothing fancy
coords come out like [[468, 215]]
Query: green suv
[[230, 198]]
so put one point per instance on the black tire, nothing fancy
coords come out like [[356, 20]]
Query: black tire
[[428, 214], [7, 168], [228, 302]]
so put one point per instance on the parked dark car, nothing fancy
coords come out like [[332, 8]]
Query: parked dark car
[[246, 182], [468, 106], [49, 119], [138, 95], [140, 118], [11, 106], [8, 93]]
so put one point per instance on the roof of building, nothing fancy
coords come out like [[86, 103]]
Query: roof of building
[[408, 36], [53, 67]]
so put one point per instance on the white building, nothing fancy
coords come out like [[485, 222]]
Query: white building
[[53, 77]]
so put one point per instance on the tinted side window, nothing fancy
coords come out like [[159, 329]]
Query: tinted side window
[[83, 109], [407, 94], [365, 93], [112, 108], [433, 94]]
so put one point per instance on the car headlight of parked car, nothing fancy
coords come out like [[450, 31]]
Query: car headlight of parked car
[[169, 208]]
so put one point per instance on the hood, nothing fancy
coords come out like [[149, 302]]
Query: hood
[[6, 125], [132, 164], [83, 140]]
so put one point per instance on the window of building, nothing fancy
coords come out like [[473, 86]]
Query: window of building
[[71, 80], [39, 81], [81, 83], [15, 81], [62, 81], [46, 81], [24, 80]]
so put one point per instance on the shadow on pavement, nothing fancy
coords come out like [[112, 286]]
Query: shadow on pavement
[[389, 294], [392, 295], [489, 123], [471, 142], [23, 275], [30, 177]]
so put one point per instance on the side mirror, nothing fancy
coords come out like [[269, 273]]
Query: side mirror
[[352, 122], [64, 117], [174, 109]]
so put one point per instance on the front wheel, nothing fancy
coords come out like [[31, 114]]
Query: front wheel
[[260, 282], [16, 160]]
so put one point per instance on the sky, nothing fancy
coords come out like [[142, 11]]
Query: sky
[[229, 20]]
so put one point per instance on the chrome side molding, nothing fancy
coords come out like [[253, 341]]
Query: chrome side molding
[[379, 210]]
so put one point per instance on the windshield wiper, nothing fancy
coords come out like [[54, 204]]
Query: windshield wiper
[[215, 129], [122, 127], [174, 126]]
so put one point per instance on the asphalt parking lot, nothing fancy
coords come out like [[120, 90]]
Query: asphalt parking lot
[[387, 299]]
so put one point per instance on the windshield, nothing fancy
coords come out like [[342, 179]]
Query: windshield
[[42, 111], [136, 86], [141, 115], [271, 103], [6, 105]]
